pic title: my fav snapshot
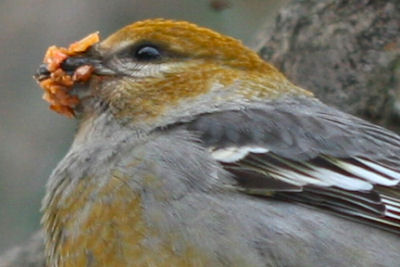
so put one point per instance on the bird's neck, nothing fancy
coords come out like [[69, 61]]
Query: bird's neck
[[105, 127]]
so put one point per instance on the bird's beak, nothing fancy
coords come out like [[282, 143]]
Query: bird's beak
[[65, 70], [70, 65], [42, 73]]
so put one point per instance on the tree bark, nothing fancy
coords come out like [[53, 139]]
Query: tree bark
[[346, 52]]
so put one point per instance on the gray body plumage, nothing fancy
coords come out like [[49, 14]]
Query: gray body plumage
[[195, 197]]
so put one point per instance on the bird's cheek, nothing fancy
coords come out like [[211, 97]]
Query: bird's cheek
[[106, 89], [87, 92]]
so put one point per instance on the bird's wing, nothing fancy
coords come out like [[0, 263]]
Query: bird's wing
[[303, 150]]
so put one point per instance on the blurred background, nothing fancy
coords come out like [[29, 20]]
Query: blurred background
[[32, 138]]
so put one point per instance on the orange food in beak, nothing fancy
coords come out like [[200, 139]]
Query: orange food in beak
[[58, 85]]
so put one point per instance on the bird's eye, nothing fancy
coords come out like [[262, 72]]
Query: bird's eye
[[147, 53]]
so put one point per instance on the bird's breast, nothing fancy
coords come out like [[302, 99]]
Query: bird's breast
[[103, 225]]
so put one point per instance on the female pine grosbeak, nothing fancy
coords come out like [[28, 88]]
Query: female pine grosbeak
[[193, 151]]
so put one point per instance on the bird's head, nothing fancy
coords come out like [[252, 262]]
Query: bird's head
[[158, 71]]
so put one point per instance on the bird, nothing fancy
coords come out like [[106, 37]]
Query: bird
[[192, 150]]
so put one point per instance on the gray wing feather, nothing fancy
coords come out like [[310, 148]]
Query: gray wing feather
[[303, 150], [298, 129]]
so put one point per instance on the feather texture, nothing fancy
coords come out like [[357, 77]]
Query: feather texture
[[302, 150]]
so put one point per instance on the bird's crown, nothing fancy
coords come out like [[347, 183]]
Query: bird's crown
[[184, 39]]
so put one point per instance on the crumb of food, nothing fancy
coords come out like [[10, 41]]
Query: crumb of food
[[84, 44], [54, 57], [59, 83], [83, 73]]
